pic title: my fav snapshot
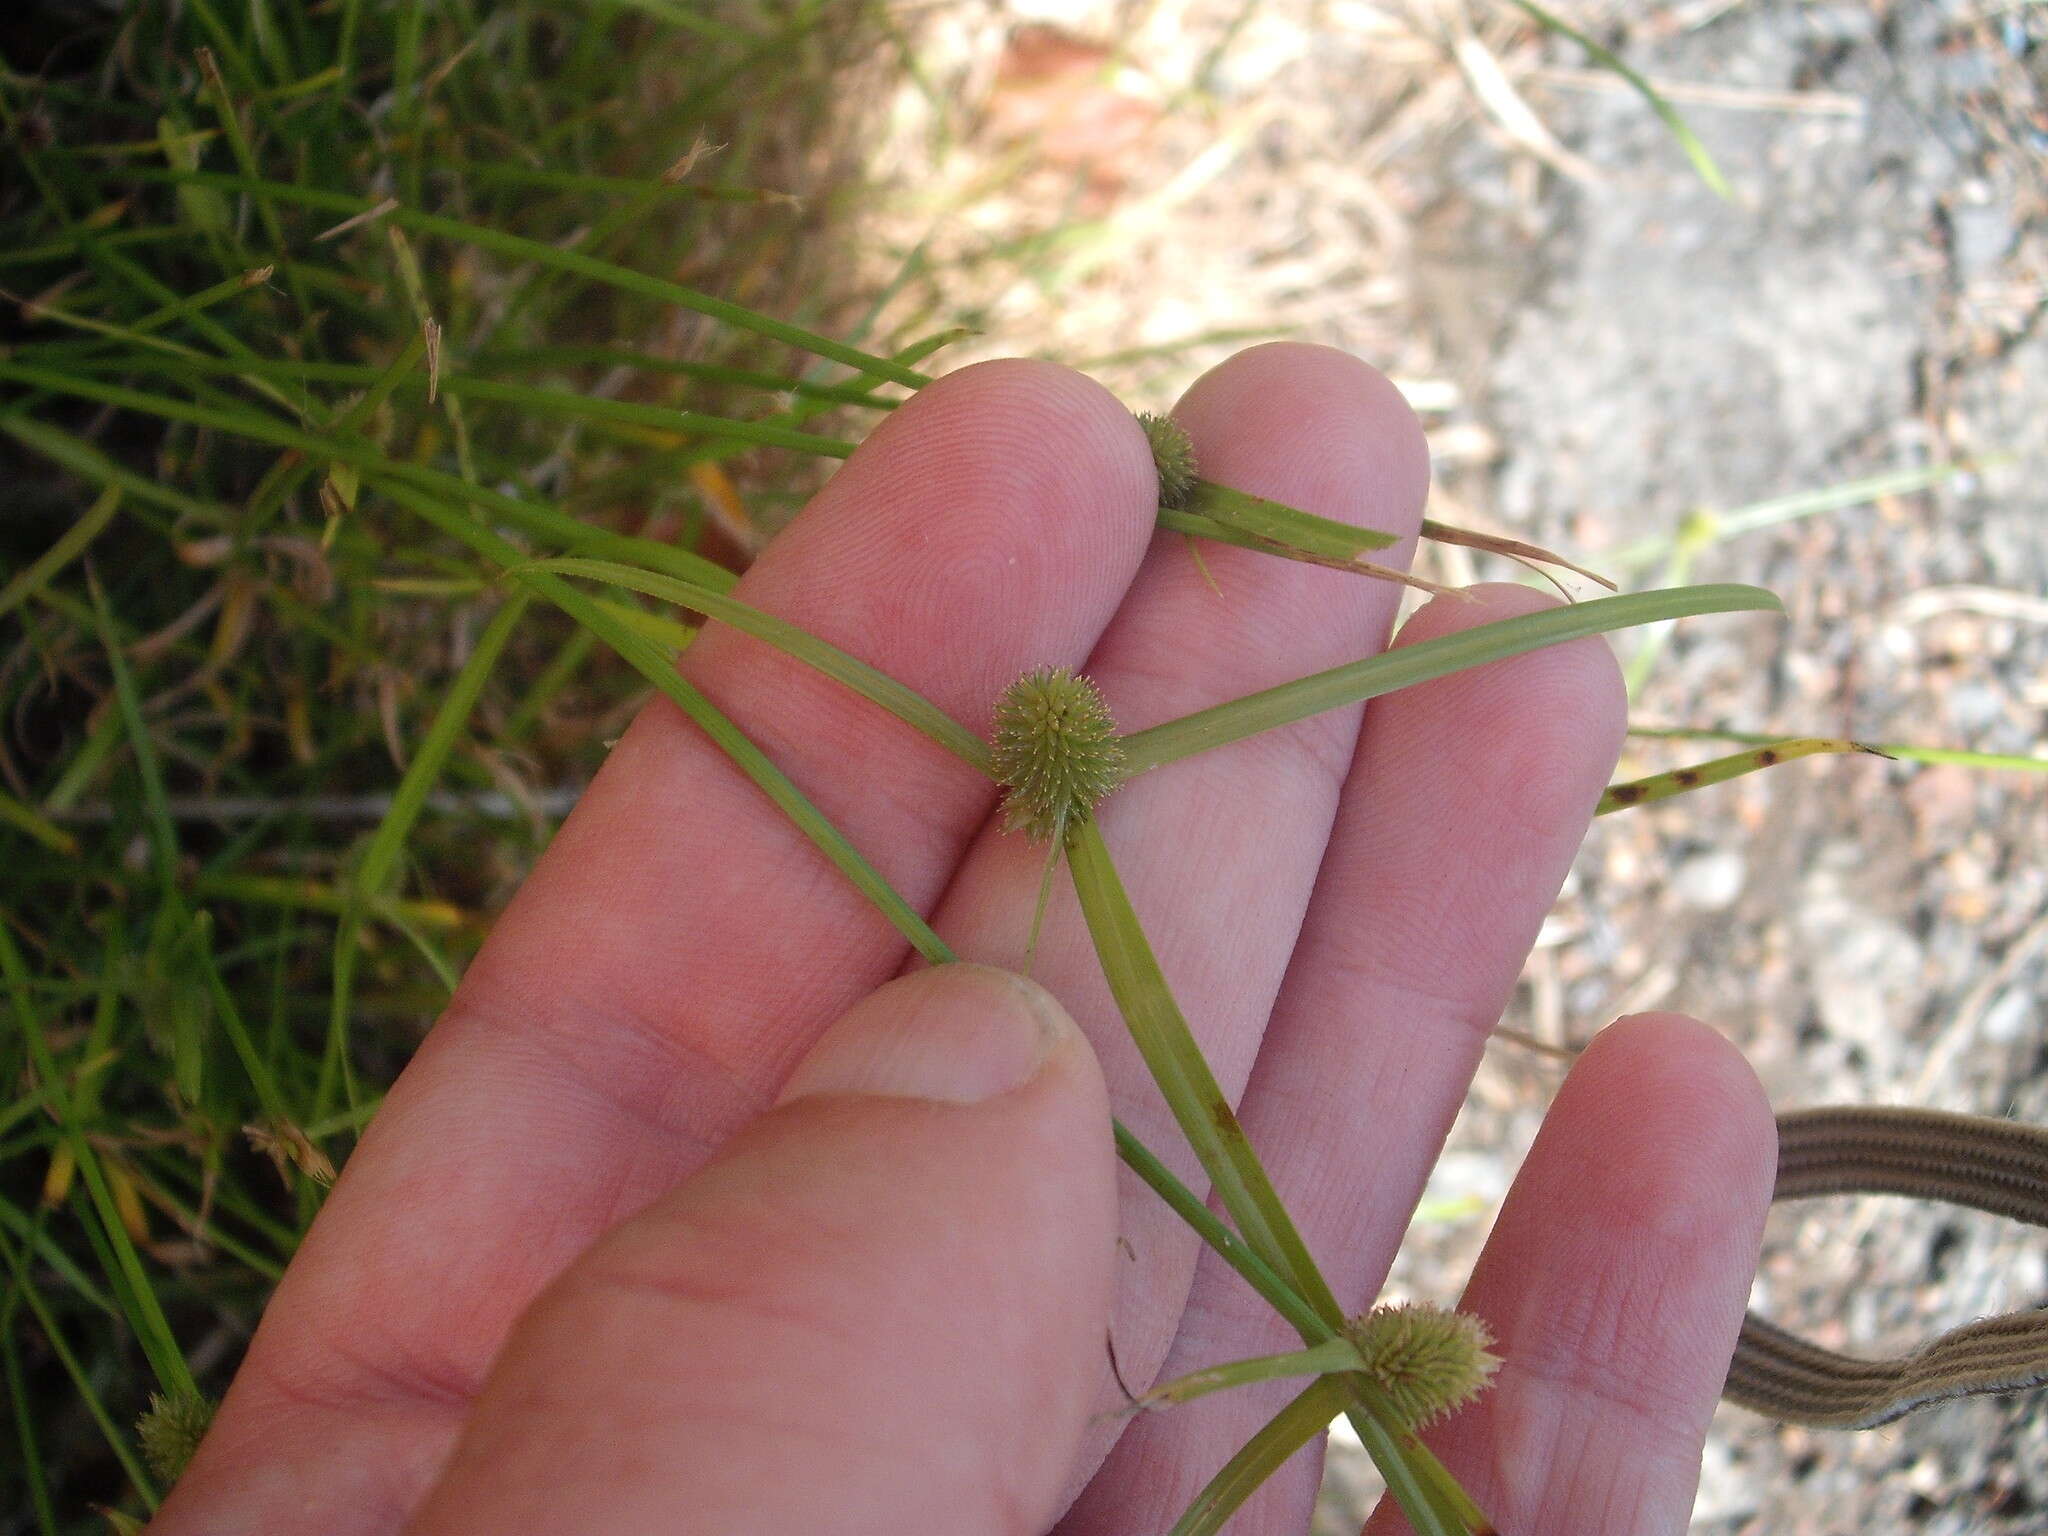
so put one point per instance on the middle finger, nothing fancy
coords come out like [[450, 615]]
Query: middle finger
[[1219, 852]]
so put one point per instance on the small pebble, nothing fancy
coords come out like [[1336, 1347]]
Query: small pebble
[[1709, 881]]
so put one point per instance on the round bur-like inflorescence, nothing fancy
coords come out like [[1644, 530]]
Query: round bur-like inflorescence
[[1427, 1361], [1173, 456], [1055, 751], [170, 1430]]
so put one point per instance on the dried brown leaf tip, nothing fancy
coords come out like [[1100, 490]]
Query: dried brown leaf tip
[[1428, 1361], [1173, 456], [1055, 751]]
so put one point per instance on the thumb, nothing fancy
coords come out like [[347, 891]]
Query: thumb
[[881, 1307]]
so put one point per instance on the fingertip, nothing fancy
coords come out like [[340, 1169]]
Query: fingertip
[[1026, 444], [1353, 447], [1014, 494], [1712, 1102]]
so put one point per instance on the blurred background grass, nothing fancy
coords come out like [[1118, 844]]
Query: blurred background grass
[[273, 751], [219, 660]]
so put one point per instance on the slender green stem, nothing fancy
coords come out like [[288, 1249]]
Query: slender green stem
[[1177, 1065], [1282, 1436], [1334, 1356], [1231, 1248], [117, 1442], [1423, 661], [1904, 751], [870, 682], [1606, 58], [497, 241], [1288, 527]]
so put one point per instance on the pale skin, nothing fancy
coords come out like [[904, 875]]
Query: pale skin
[[635, 1244]]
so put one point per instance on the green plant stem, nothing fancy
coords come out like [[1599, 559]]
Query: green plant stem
[[1177, 1065], [1332, 1357], [870, 682], [1606, 58], [521, 249], [1305, 1417], [1904, 751], [1424, 661], [117, 1442]]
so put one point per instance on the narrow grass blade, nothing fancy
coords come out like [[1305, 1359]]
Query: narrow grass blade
[[1197, 526], [46, 1250], [1905, 752], [26, 819], [1330, 1356], [1425, 1489], [877, 686], [268, 1095], [1695, 151], [1282, 1436], [81, 458], [541, 402], [238, 141], [431, 756], [658, 667], [25, 1420], [163, 837], [1284, 525], [531, 517], [804, 410], [556, 402], [380, 859], [70, 544], [1705, 527], [521, 249], [313, 896], [653, 187], [659, 627], [1427, 659], [124, 1270], [1430, 1498], [81, 1380], [291, 468], [1679, 781], [654, 664], [1176, 1063], [648, 362], [1188, 1205], [135, 331]]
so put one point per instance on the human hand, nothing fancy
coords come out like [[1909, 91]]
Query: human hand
[[643, 1240]]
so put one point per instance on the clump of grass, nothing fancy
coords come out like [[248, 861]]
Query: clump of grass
[[265, 271]]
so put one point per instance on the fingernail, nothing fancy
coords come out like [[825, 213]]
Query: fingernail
[[957, 1034]]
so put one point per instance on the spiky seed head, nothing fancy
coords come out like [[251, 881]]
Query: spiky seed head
[[1055, 751], [1173, 456], [1427, 1360], [170, 1429]]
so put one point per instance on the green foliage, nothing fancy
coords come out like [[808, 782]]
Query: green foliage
[[278, 276]]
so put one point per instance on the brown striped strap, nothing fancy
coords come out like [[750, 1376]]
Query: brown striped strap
[[1989, 1165]]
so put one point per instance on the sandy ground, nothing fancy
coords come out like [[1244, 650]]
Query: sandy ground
[[1601, 346]]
